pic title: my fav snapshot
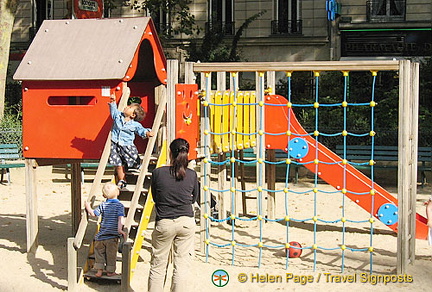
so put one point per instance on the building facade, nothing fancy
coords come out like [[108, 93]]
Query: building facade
[[385, 29], [288, 30]]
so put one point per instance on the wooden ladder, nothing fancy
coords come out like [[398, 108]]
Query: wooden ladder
[[137, 216]]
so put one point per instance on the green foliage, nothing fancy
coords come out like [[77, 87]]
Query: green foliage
[[134, 99], [329, 88], [425, 94], [10, 130], [13, 100], [178, 12], [212, 47], [9, 122], [233, 52]]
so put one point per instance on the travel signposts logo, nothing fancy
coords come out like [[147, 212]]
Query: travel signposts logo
[[220, 278]]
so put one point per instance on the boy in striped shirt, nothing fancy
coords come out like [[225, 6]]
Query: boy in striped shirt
[[111, 226]]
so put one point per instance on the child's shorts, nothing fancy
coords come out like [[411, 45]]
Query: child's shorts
[[124, 156]]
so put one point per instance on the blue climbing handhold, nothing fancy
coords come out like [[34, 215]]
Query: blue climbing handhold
[[388, 214], [298, 148]]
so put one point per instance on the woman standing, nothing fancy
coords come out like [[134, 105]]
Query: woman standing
[[175, 189]]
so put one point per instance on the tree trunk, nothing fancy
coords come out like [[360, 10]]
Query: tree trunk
[[7, 17]]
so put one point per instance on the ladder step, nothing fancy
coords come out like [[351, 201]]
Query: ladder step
[[153, 158], [144, 173], [90, 275], [127, 204], [136, 172], [249, 197], [133, 171]]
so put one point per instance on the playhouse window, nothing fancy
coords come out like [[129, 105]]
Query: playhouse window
[[72, 100]]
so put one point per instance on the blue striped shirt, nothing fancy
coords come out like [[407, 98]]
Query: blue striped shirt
[[110, 210]]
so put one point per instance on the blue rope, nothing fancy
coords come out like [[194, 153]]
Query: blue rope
[[283, 219], [346, 82], [287, 192], [233, 174], [297, 135], [372, 169], [261, 155], [294, 104], [207, 155]]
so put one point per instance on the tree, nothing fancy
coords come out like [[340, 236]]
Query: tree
[[7, 16], [174, 15], [212, 47]]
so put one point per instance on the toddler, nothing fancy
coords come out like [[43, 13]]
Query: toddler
[[111, 226], [123, 150]]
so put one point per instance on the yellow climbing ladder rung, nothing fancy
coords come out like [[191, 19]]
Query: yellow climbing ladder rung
[[145, 218], [225, 121], [215, 120], [239, 128]]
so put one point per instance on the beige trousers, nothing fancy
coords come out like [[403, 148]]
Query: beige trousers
[[178, 235]]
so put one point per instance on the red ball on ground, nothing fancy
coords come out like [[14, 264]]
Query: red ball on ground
[[294, 251]]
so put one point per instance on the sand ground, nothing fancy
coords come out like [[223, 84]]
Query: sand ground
[[46, 270]]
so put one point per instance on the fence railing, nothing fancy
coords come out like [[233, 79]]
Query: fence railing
[[385, 11], [286, 27], [227, 28]]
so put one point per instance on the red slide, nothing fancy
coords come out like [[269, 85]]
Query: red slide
[[305, 149]]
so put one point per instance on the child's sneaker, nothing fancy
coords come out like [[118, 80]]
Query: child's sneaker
[[122, 184]]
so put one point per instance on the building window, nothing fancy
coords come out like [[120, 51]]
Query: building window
[[287, 17], [220, 16], [161, 18], [42, 10], [386, 10]]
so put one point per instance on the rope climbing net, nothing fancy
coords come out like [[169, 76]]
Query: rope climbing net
[[235, 121]]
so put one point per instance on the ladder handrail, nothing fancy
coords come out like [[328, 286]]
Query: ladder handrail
[[146, 214], [145, 163], [99, 173]]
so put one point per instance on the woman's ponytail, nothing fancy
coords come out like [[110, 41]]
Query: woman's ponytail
[[179, 155]]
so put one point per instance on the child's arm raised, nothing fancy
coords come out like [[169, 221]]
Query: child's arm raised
[[113, 107]]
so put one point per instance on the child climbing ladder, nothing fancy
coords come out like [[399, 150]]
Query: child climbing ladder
[[124, 154]]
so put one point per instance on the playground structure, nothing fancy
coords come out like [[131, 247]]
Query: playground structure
[[69, 85], [304, 148], [226, 121]]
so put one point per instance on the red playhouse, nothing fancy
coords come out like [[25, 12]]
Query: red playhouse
[[68, 74]]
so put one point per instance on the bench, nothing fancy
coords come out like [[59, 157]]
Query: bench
[[362, 153], [87, 167], [9, 156], [248, 154]]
